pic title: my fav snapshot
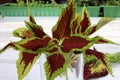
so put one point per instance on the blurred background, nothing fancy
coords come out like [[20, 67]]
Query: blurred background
[[78, 2], [42, 1]]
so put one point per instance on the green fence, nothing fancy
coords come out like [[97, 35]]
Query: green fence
[[112, 11], [40, 10], [51, 10]]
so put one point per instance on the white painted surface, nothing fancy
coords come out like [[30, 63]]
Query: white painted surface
[[7, 59]]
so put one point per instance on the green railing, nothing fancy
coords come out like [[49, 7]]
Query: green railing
[[112, 11], [39, 10], [51, 10]]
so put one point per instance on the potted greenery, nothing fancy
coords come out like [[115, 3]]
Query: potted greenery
[[70, 38]]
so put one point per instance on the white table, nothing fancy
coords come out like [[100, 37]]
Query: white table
[[7, 60]]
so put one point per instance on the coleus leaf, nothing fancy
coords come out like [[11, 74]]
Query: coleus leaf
[[94, 69], [84, 20], [22, 33], [9, 45], [62, 28], [31, 17], [55, 65], [75, 27], [32, 44], [100, 56], [35, 29], [103, 40], [77, 42], [25, 62], [100, 24], [28, 45]]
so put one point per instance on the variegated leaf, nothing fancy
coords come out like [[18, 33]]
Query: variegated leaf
[[22, 33], [32, 44], [77, 43], [100, 24], [94, 69], [35, 29], [103, 40], [84, 20], [101, 56], [9, 45], [31, 17], [75, 27], [24, 63], [55, 66], [62, 28]]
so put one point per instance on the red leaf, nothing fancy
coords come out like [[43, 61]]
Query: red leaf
[[97, 54], [100, 24], [73, 43], [90, 70], [35, 29], [56, 62], [75, 25], [27, 58], [31, 17], [62, 28], [35, 43], [7, 46], [25, 62], [85, 22], [102, 57], [93, 29], [102, 40]]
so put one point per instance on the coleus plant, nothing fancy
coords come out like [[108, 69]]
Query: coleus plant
[[70, 37]]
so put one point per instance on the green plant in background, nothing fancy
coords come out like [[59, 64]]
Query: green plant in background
[[20, 2], [70, 37], [78, 2], [112, 2], [87, 2], [97, 3], [32, 2]]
